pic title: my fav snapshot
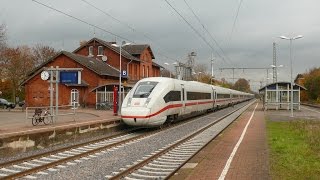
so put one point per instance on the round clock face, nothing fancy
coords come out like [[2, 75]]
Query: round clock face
[[45, 75]]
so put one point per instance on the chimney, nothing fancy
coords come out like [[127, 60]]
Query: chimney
[[83, 42]]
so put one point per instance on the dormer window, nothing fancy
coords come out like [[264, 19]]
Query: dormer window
[[90, 50], [100, 50]]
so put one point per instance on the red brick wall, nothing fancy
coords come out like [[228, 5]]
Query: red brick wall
[[37, 93], [135, 68]]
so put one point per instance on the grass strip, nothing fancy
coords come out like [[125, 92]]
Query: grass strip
[[294, 149]]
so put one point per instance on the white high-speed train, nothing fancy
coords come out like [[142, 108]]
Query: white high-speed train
[[153, 101]]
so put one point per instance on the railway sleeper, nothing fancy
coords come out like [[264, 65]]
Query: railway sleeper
[[165, 162], [152, 172], [147, 176], [170, 159], [158, 169], [162, 166]]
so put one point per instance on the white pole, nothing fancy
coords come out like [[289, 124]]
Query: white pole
[[57, 94], [291, 78]]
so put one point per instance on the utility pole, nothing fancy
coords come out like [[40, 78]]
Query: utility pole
[[275, 78], [212, 59]]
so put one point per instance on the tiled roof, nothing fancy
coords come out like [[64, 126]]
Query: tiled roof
[[95, 65], [137, 49], [124, 53], [157, 65]]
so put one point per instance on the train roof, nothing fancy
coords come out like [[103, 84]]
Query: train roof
[[218, 89]]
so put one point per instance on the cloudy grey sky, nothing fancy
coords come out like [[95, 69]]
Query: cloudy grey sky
[[259, 24]]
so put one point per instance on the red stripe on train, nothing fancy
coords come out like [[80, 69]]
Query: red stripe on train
[[174, 106], [166, 108]]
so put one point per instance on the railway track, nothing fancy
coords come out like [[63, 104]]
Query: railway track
[[80, 152], [36, 164], [43, 164], [164, 162]]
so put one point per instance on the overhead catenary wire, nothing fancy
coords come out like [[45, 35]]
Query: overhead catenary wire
[[95, 26], [195, 30], [83, 21], [235, 20], [210, 34], [128, 26]]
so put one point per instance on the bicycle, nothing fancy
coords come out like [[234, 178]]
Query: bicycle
[[105, 105], [38, 117]]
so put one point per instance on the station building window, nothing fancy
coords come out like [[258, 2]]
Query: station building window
[[90, 50], [100, 50]]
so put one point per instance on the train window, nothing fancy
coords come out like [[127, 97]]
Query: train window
[[222, 96], [144, 89], [198, 95], [172, 96]]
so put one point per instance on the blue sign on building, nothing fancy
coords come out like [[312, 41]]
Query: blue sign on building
[[124, 73], [69, 77]]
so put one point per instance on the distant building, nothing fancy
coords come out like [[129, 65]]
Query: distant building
[[277, 95], [100, 63]]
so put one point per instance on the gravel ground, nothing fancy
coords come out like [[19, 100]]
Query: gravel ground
[[112, 160], [79, 140]]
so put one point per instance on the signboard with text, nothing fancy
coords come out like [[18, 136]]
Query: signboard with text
[[69, 77]]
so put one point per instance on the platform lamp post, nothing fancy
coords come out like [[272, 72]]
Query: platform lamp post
[[291, 39], [120, 74], [168, 67]]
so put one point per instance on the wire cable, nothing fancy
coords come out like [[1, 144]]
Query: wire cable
[[211, 36], [128, 26], [197, 32], [83, 21], [235, 20]]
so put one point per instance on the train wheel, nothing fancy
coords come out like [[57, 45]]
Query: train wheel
[[175, 117]]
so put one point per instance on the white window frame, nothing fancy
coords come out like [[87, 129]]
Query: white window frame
[[100, 50], [74, 99], [90, 50]]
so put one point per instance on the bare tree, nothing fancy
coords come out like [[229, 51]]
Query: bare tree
[[41, 53]]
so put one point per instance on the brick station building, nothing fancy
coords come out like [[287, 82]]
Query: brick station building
[[100, 63]]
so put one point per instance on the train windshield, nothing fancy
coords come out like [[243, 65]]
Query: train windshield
[[144, 89]]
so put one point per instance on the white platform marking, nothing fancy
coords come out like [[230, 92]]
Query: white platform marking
[[227, 166]]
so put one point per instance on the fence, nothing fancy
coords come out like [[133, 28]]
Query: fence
[[106, 96]]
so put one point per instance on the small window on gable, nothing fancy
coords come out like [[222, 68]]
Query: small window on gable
[[90, 50], [100, 50]]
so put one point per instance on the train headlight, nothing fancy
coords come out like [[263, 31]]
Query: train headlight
[[147, 102], [129, 102]]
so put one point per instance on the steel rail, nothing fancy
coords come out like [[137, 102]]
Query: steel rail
[[78, 156], [64, 160], [133, 168], [18, 161]]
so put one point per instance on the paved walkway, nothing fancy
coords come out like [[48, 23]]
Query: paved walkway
[[15, 120], [250, 161]]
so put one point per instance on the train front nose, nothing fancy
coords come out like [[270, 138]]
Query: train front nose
[[135, 116]]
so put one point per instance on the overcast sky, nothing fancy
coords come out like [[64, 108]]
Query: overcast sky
[[259, 24]]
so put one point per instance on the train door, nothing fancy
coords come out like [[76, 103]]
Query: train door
[[213, 98], [183, 99]]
